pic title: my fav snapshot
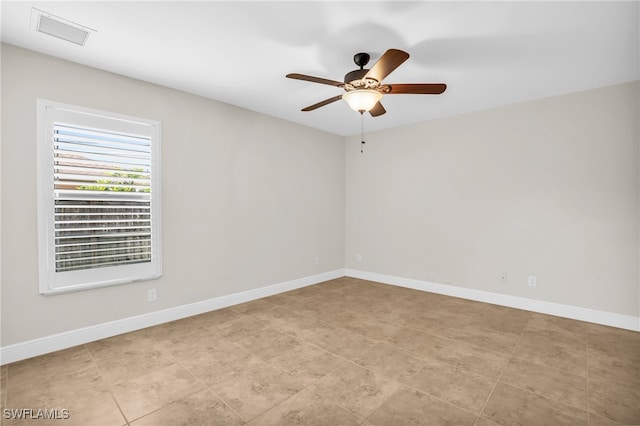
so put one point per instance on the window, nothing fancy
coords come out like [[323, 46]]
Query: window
[[99, 198]]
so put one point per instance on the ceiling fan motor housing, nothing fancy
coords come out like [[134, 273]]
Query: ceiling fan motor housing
[[355, 75], [355, 78]]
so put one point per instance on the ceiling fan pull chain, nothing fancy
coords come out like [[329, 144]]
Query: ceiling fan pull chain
[[362, 132]]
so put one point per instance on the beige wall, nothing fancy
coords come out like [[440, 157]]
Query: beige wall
[[249, 200], [547, 188]]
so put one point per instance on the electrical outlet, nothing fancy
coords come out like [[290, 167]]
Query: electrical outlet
[[359, 257], [532, 281], [503, 278], [152, 295], [317, 260]]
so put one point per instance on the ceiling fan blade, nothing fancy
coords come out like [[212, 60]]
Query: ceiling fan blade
[[377, 110], [322, 103], [418, 89], [315, 79], [389, 61]]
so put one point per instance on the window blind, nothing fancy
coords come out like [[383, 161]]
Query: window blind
[[102, 198]]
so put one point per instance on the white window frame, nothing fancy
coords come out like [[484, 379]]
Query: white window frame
[[50, 281]]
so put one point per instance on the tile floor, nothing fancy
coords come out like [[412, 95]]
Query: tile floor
[[344, 352]]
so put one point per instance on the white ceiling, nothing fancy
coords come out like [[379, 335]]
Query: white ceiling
[[488, 53]]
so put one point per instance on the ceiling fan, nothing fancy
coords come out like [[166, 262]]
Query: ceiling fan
[[364, 88]]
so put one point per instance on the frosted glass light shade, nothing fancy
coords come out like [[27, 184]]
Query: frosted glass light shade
[[362, 100]]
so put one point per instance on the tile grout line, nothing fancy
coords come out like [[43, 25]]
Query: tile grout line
[[106, 385], [586, 340], [5, 395], [436, 398], [302, 390], [581, 408], [506, 364], [203, 383], [551, 367], [163, 407]]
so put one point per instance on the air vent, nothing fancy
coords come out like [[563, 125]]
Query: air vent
[[61, 28]]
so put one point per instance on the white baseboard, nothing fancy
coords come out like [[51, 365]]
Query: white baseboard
[[43, 345], [67, 339], [627, 322]]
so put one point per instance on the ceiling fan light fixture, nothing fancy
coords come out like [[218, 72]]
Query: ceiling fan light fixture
[[362, 100]]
